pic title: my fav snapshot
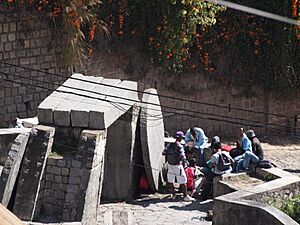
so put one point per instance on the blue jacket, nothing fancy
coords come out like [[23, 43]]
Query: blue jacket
[[201, 138], [246, 143]]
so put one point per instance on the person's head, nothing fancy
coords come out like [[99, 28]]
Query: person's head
[[250, 134], [179, 135], [193, 132], [215, 142], [241, 132], [192, 162]]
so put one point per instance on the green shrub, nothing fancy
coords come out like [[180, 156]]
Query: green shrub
[[292, 208]]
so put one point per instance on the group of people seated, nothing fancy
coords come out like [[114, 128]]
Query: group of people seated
[[193, 162]]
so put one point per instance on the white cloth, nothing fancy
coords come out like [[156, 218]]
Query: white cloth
[[178, 172]]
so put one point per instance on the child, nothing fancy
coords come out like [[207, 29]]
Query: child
[[194, 177]]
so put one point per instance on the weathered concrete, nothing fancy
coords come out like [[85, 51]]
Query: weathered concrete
[[92, 153], [89, 107], [11, 167], [152, 136], [248, 206], [118, 170], [31, 173]]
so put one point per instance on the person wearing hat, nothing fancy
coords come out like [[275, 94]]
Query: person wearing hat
[[253, 156], [174, 153], [256, 145]]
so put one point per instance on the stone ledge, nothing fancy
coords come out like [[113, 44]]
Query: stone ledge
[[240, 201]]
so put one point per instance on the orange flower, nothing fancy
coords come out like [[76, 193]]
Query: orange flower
[[92, 31]]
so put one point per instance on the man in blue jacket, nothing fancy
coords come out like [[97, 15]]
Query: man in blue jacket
[[196, 138]]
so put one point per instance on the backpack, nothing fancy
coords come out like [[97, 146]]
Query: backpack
[[190, 173], [173, 154], [223, 162], [264, 164]]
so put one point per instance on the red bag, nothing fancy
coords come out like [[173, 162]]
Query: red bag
[[190, 173], [226, 148], [144, 185]]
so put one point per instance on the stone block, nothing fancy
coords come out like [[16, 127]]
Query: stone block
[[76, 164], [11, 37], [11, 167], [54, 170], [32, 171], [3, 38], [71, 188], [12, 27], [65, 180], [118, 170], [58, 179], [55, 186], [74, 180], [65, 171], [46, 108], [51, 161], [49, 177], [74, 172], [5, 27], [61, 163], [60, 195], [8, 47], [98, 119]]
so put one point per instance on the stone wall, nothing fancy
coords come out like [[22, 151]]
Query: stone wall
[[254, 205], [71, 186], [25, 44], [61, 183], [28, 47]]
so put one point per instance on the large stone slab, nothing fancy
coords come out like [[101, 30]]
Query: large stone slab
[[118, 170], [152, 136], [32, 170], [46, 108], [122, 102], [11, 167], [99, 107], [88, 102]]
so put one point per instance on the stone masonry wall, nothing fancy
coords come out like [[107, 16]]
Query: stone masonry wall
[[61, 184], [28, 47]]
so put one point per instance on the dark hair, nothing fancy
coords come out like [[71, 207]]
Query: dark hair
[[192, 161], [193, 132]]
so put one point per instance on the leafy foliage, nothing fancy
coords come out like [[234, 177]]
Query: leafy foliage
[[167, 27], [260, 52], [292, 208]]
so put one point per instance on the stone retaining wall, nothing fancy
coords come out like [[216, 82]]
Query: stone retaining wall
[[248, 206]]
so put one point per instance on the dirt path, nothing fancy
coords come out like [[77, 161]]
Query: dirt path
[[286, 156]]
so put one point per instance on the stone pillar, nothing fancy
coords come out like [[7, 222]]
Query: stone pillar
[[11, 167], [118, 168], [82, 206], [32, 170]]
